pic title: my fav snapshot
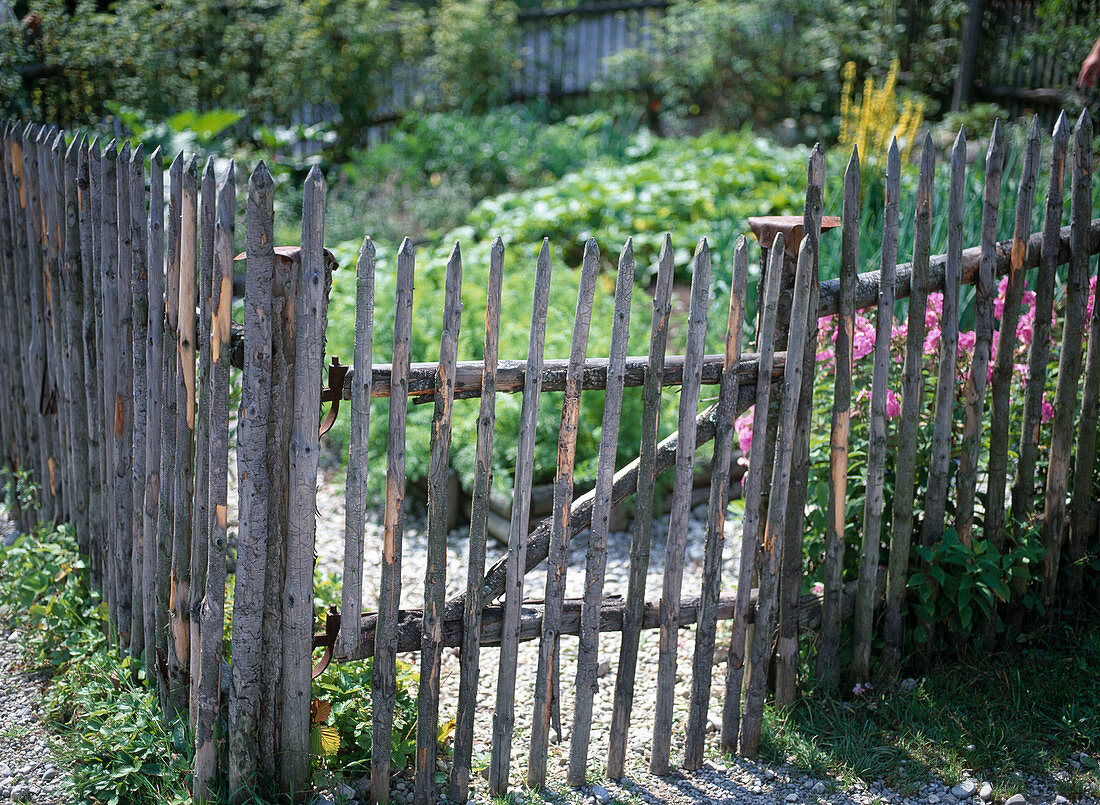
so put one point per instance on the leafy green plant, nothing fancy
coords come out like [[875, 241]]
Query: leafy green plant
[[341, 735]]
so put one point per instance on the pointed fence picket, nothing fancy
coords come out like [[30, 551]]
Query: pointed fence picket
[[116, 335]]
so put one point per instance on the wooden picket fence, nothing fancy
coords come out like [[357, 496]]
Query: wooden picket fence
[[116, 346]]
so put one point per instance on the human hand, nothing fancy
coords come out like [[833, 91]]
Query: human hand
[[1090, 68]]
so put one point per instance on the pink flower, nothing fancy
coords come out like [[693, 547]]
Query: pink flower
[[825, 355], [743, 426], [863, 340], [862, 689], [999, 302], [1091, 301], [1047, 412], [893, 405], [932, 340], [817, 588], [1025, 326], [966, 342]]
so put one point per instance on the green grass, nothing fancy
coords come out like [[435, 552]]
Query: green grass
[[986, 715]]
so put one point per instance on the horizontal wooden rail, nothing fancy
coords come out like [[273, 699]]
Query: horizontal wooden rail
[[867, 284], [611, 619]]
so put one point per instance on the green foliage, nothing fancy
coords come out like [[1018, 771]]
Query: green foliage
[[472, 59], [434, 168], [114, 735], [344, 691], [728, 63], [109, 722], [959, 586]]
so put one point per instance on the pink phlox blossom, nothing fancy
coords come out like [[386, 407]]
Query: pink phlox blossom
[[1047, 413], [932, 340], [743, 426], [999, 301], [1025, 326], [893, 405], [1091, 301], [825, 356], [966, 342], [817, 588], [863, 340]]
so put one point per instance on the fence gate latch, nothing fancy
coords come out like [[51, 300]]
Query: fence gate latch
[[333, 393]]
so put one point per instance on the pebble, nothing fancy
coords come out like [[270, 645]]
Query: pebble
[[964, 789], [818, 788], [1016, 799], [601, 794], [986, 792]]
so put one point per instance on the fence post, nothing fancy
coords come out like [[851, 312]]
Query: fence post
[[828, 651], [301, 510], [1069, 362], [139, 315], [703, 661], [179, 660], [212, 610], [384, 677], [985, 291], [772, 545], [255, 494], [431, 645], [596, 561], [641, 540], [876, 448], [912, 401], [546, 678], [1023, 489], [153, 348], [516, 561], [479, 515], [169, 414]]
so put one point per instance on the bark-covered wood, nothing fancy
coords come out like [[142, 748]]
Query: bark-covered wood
[[516, 564], [874, 501], [612, 615], [642, 530], [753, 483], [351, 591], [786, 672], [469, 659], [154, 368], [109, 288], [984, 293], [771, 552], [201, 513], [512, 375], [384, 677], [284, 292], [1069, 361], [702, 665], [1000, 382], [302, 504], [586, 685], [435, 591], [124, 405], [139, 323], [1024, 487], [93, 334], [912, 395], [179, 660], [212, 611], [254, 492], [1082, 516], [558, 557], [72, 280], [166, 508], [681, 507], [828, 649], [56, 477]]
